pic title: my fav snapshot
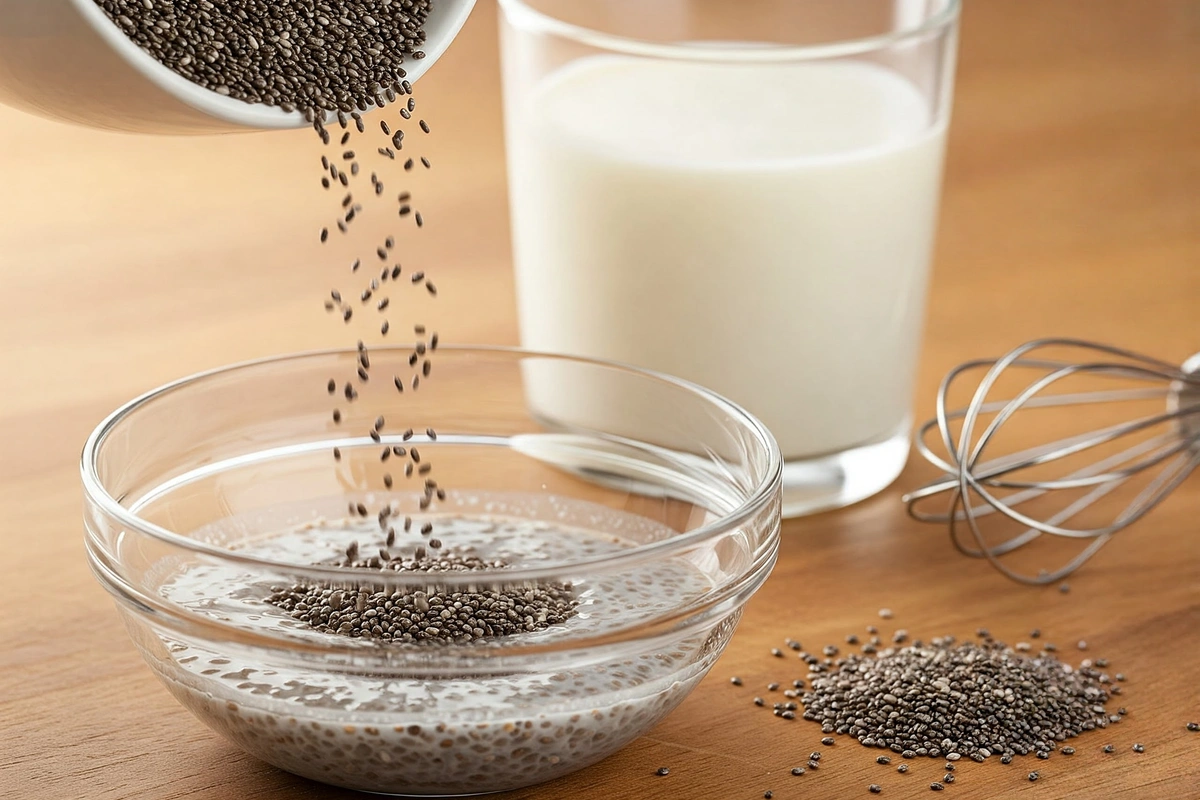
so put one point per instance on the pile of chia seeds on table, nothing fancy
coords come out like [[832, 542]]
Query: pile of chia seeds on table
[[957, 699], [947, 699]]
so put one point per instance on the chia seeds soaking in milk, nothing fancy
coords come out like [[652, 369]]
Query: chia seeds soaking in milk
[[418, 732]]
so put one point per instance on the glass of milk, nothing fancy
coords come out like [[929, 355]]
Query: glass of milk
[[742, 194]]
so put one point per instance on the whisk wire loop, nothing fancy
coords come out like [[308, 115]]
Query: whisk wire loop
[[974, 483]]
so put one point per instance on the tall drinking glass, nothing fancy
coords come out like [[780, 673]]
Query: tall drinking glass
[[743, 194]]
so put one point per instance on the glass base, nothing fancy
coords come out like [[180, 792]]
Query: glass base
[[837, 480]]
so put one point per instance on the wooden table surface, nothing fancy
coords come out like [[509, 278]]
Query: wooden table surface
[[1072, 207]]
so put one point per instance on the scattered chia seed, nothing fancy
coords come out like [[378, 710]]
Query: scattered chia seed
[[902, 768], [662, 771], [1139, 748], [797, 770], [875, 788], [1033, 776], [736, 681], [937, 787], [1108, 748]]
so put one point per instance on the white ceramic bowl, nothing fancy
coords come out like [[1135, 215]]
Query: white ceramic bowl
[[65, 60]]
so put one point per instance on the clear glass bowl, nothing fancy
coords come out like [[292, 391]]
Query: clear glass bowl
[[655, 501]]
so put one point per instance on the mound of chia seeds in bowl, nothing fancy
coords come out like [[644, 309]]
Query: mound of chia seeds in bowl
[[427, 617]]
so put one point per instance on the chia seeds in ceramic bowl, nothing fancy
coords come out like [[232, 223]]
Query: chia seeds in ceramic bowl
[[567, 567]]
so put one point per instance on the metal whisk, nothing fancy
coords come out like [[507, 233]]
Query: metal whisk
[[1042, 489]]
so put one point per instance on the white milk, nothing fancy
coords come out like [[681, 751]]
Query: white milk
[[762, 230]]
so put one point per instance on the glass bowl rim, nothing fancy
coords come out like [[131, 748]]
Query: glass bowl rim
[[756, 501], [524, 16]]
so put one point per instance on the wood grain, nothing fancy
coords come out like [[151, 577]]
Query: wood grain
[[1072, 207]]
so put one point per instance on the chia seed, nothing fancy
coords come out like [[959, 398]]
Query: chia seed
[[285, 53]]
